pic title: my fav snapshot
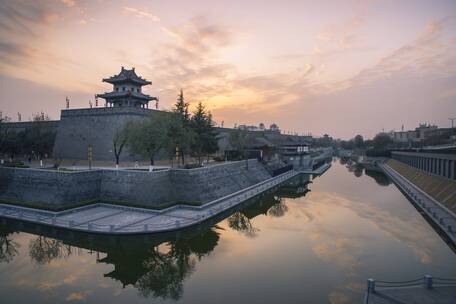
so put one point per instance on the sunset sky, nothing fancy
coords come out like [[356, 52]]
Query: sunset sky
[[336, 67]]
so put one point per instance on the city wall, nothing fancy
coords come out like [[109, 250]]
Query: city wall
[[60, 189], [443, 165], [80, 128]]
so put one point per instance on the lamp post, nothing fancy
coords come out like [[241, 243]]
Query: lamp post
[[452, 120]]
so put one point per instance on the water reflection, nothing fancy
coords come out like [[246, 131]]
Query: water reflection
[[379, 177], [271, 204], [8, 247], [358, 170], [155, 265], [318, 246]]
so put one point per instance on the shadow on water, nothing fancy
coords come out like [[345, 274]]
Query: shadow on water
[[379, 177], [156, 265]]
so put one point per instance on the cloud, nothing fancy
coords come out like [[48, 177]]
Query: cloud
[[78, 296], [142, 13], [69, 3], [430, 53]]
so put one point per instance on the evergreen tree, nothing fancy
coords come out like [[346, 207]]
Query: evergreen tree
[[205, 142], [181, 110], [178, 138]]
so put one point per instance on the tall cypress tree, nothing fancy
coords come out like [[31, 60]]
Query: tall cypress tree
[[202, 125], [181, 109]]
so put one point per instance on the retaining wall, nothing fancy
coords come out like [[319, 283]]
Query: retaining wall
[[443, 165], [59, 189], [48, 189]]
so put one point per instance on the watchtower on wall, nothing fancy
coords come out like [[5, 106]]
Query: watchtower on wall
[[79, 128], [127, 90]]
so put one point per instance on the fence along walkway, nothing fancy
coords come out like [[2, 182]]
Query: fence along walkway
[[422, 290], [439, 214], [111, 219]]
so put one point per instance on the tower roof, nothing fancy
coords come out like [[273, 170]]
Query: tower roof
[[126, 94], [127, 76]]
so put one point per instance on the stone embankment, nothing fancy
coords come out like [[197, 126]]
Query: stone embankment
[[57, 190], [109, 219], [439, 188], [432, 196]]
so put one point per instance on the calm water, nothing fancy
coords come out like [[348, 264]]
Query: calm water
[[291, 246]]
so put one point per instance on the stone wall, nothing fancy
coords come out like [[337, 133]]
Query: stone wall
[[80, 127], [58, 189], [443, 165], [206, 184], [137, 187], [48, 189]]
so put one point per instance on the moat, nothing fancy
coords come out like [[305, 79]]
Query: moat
[[290, 246]]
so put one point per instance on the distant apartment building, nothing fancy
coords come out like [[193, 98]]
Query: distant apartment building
[[421, 134], [261, 127]]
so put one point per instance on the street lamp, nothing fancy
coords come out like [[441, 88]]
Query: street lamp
[[452, 120]]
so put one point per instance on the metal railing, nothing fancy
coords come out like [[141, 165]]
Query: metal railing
[[426, 281]]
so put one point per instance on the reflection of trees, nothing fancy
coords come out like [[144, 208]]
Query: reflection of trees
[[8, 247], [239, 222], [278, 209], [379, 177], [295, 188], [358, 172], [165, 274], [156, 272], [43, 250]]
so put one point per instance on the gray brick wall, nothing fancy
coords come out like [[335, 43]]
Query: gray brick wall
[[64, 189]]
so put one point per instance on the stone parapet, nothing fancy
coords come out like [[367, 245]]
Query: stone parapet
[[63, 189]]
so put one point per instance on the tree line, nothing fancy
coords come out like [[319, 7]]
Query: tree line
[[36, 141], [176, 133]]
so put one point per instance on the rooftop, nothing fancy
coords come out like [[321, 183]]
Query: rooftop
[[127, 76], [124, 94]]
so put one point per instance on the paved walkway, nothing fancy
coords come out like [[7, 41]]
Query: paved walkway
[[414, 295], [111, 219], [320, 170], [438, 213]]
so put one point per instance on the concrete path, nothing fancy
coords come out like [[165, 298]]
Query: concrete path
[[438, 213], [414, 295], [111, 219], [320, 170]]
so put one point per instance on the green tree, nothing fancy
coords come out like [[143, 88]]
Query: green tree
[[147, 137], [178, 138], [238, 140], [39, 138], [359, 141], [4, 130], [119, 140], [205, 139], [181, 110], [381, 141]]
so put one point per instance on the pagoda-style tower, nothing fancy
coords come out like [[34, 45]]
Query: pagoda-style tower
[[127, 90]]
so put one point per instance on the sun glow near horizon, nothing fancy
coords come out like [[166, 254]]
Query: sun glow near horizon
[[246, 64]]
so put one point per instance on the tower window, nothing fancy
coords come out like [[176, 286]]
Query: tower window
[[123, 88], [117, 89], [137, 90]]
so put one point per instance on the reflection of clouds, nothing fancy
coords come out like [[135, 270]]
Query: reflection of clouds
[[342, 294], [343, 251], [78, 296], [337, 297], [409, 230]]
